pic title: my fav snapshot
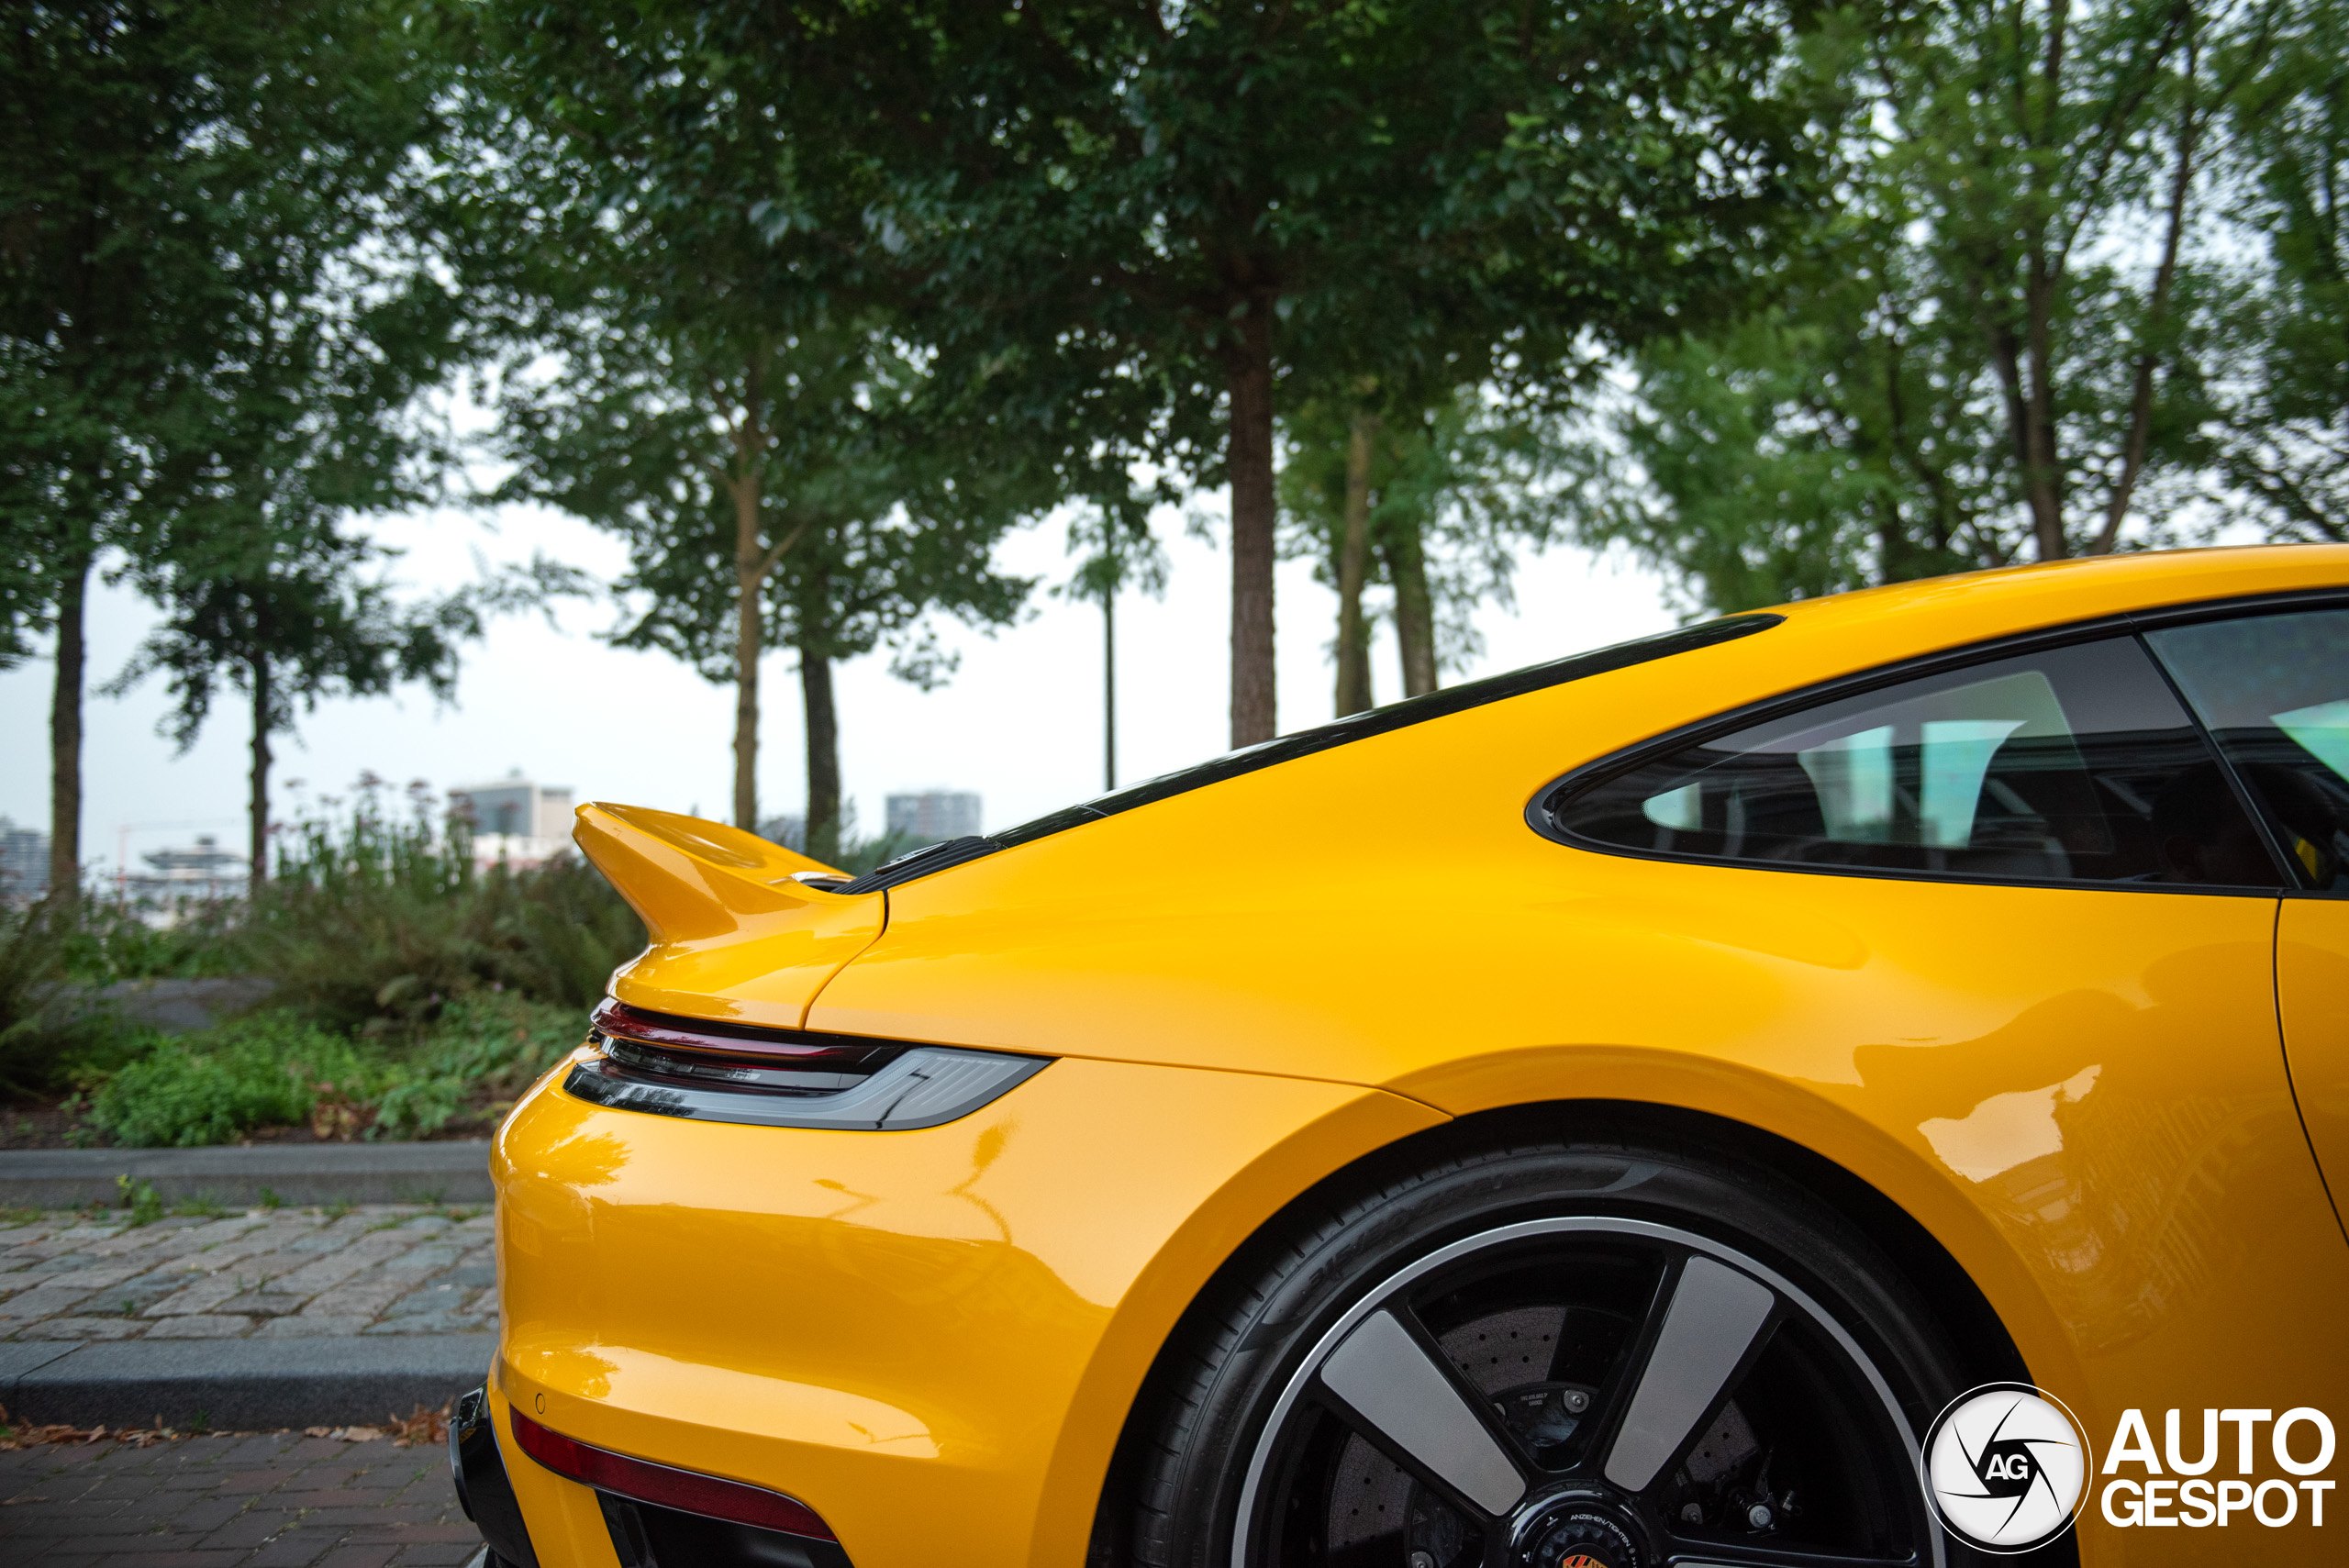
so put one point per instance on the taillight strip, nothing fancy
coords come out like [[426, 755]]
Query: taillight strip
[[667, 1487], [796, 1048]]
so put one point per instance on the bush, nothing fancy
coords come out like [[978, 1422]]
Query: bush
[[377, 918], [279, 1069], [210, 1087], [41, 1029]]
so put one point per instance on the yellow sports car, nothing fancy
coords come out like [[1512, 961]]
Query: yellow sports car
[[1853, 1083]]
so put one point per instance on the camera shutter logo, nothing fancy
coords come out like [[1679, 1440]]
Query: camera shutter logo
[[2006, 1467]]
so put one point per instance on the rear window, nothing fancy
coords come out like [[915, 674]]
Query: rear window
[[2075, 764]]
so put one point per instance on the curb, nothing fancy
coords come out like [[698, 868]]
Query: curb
[[239, 1385], [296, 1173]]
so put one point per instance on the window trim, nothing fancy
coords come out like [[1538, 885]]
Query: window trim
[[1441, 703], [2261, 820], [1538, 809]]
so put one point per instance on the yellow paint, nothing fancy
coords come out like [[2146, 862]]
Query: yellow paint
[[933, 1337], [960, 1314], [2312, 994], [734, 935]]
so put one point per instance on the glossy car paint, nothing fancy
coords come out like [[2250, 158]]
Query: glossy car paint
[[2312, 999], [735, 934], [932, 1338]]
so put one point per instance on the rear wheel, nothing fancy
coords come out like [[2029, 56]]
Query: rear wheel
[[1577, 1356]]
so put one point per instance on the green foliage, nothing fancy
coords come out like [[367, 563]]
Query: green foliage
[[280, 1069], [145, 1203], [43, 947], [214, 308], [208, 1088], [381, 918], [2286, 439], [109, 939], [691, 371], [2039, 321], [1456, 490]]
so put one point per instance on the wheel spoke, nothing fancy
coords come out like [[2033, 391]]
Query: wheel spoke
[[1688, 1556], [1714, 1315], [1413, 1406]]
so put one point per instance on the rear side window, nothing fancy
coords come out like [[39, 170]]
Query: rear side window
[[2274, 691], [2075, 764]]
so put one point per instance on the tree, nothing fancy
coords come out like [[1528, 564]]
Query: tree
[[280, 616], [1435, 502], [2016, 339], [2286, 437], [726, 400], [1190, 201], [146, 147]]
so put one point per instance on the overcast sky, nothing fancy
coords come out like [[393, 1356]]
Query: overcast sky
[[1019, 723]]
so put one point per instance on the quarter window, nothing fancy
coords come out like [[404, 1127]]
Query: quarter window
[[2274, 691], [2075, 764]]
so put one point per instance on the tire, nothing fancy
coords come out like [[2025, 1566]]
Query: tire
[[1447, 1362]]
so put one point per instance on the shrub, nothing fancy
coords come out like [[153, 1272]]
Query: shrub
[[42, 1030], [211, 1086], [280, 1069], [378, 919]]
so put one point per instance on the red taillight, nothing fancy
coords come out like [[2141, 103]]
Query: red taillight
[[665, 1487], [792, 1048]]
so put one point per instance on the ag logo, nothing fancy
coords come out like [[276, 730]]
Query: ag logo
[[2005, 1467]]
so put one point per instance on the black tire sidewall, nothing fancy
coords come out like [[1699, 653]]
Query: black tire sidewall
[[1246, 1339]]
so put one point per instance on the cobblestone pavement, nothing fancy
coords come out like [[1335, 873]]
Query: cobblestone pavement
[[265, 1273], [278, 1500]]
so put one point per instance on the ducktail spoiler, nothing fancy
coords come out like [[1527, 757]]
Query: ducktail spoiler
[[734, 932]]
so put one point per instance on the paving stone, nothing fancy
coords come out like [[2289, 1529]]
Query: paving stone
[[209, 1327], [235, 1275], [82, 1329], [203, 1501], [312, 1325]]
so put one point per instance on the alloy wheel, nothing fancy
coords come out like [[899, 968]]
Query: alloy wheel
[[1585, 1392]]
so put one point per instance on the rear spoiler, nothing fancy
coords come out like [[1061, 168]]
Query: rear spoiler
[[737, 930]]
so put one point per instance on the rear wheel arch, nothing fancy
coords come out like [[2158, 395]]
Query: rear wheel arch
[[1952, 1305]]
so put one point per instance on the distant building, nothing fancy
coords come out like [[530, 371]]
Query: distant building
[[201, 871], [936, 813], [24, 864], [514, 820], [791, 832]]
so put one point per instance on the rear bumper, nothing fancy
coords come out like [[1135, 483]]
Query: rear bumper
[[932, 1338], [485, 1491]]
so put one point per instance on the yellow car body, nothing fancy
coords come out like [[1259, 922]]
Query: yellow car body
[[934, 1338]]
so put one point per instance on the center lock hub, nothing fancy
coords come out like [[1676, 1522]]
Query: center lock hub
[[1579, 1529]]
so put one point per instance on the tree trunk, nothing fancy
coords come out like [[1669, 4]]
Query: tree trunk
[[65, 737], [2141, 402], [1414, 607], [823, 838], [1354, 550], [1254, 713], [1108, 689], [2043, 474], [752, 564], [257, 871]]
